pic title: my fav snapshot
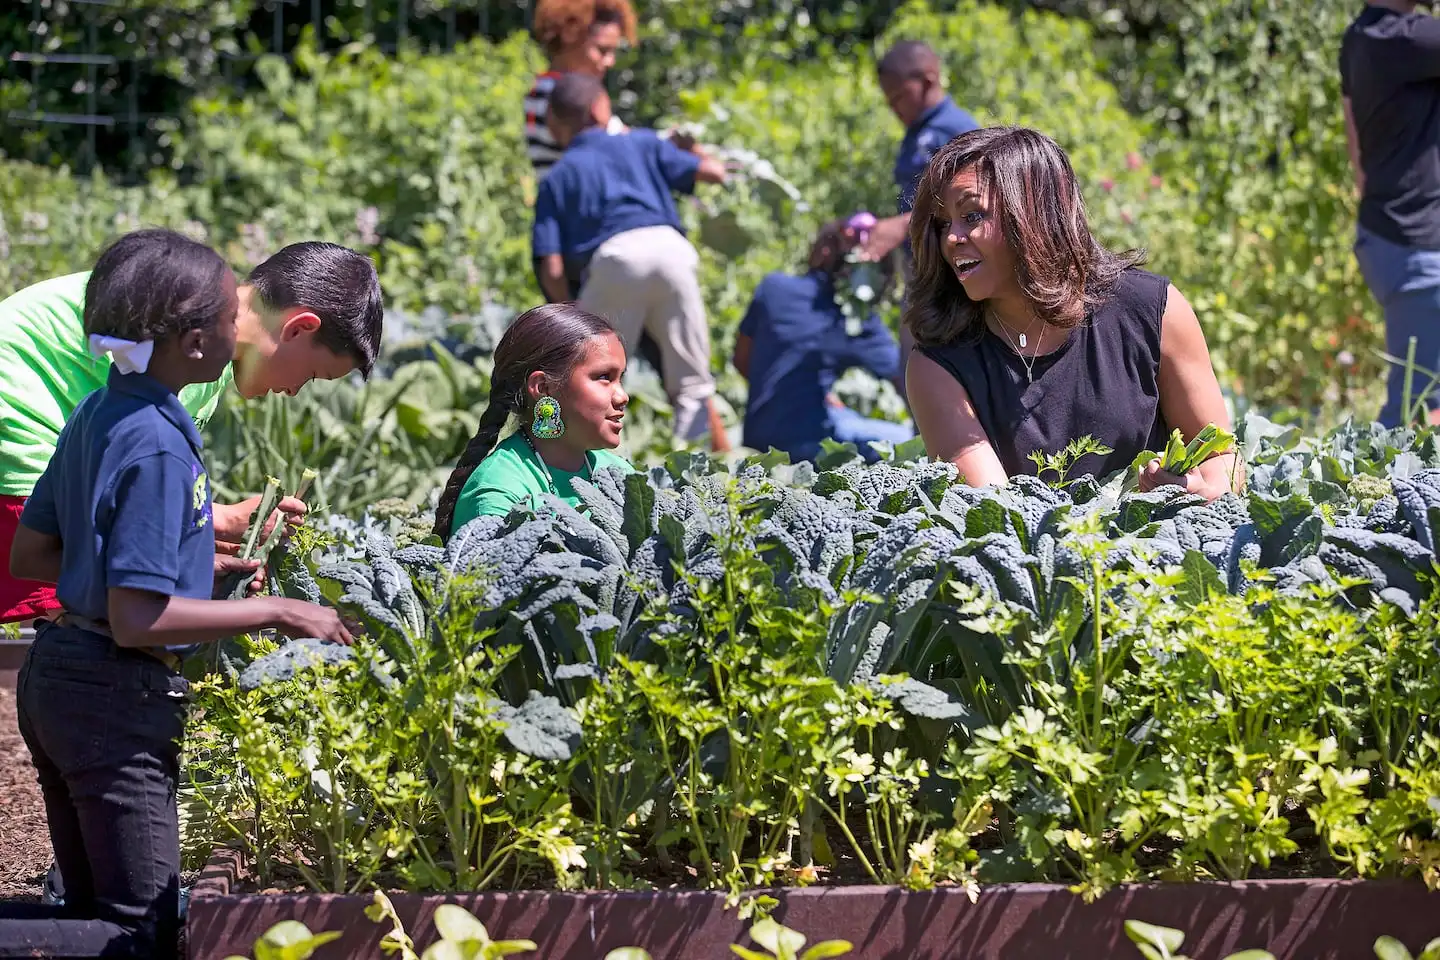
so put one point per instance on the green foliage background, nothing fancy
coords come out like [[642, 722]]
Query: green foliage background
[[1207, 132]]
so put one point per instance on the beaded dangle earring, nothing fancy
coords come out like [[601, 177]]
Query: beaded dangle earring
[[547, 424]]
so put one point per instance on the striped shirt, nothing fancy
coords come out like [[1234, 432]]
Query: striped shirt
[[539, 144]]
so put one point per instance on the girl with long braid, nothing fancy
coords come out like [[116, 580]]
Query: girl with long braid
[[557, 372]]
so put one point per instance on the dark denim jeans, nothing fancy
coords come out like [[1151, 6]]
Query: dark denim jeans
[[847, 426], [1406, 283], [103, 726]]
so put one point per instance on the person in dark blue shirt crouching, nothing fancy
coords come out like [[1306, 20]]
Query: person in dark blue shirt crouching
[[121, 522], [795, 342]]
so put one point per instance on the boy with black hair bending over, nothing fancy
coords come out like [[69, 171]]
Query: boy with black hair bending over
[[606, 210], [795, 342]]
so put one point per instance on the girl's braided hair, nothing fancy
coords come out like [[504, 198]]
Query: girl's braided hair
[[551, 339]]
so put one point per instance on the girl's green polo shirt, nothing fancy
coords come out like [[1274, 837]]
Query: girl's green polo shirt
[[513, 474]]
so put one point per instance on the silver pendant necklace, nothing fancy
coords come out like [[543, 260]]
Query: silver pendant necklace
[[1029, 363]]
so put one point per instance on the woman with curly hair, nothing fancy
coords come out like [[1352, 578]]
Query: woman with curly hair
[[578, 36], [1031, 335]]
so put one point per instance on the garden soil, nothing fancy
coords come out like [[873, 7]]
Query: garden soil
[[24, 839]]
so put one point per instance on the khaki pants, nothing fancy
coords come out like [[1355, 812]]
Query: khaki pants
[[645, 280]]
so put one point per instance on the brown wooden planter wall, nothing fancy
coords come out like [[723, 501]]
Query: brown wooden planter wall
[[1294, 919]]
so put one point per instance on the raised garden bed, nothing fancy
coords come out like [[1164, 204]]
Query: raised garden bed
[[1033, 685], [1313, 919]]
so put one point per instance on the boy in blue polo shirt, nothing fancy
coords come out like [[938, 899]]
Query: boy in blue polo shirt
[[121, 523], [910, 79], [605, 210], [793, 346]]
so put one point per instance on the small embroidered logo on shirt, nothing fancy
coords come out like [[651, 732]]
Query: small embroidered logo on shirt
[[200, 497]]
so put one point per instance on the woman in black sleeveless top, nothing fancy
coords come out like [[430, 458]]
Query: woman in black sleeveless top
[[1030, 335]]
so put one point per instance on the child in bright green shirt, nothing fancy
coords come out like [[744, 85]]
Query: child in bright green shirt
[[557, 371], [312, 311]]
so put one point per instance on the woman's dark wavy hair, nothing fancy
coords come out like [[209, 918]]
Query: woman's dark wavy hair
[[1063, 270], [552, 339], [155, 284]]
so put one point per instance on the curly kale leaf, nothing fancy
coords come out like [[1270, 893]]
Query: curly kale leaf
[[1138, 509], [1385, 516], [844, 478], [888, 552], [296, 581], [355, 577], [1299, 575], [1419, 498], [816, 533], [420, 555], [581, 535], [606, 513], [1398, 559], [886, 488], [925, 702], [473, 542], [1010, 566], [1232, 509], [541, 728], [304, 653], [1244, 547], [1030, 502]]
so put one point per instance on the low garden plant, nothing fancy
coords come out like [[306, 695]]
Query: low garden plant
[[763, 674]]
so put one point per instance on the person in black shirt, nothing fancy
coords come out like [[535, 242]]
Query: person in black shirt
[[1390, 86], [1032, 335]]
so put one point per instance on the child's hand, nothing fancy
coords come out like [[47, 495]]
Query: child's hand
[[299, 618], [883, 238], [1152, 476], [227, 566], [233, 520], [1209, 480]]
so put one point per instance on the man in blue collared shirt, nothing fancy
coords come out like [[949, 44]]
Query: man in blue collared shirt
[[1390, 92], [910, 80], [606, 210]]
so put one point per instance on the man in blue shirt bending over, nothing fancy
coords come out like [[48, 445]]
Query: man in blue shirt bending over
[[794, 344], [605, 210]]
